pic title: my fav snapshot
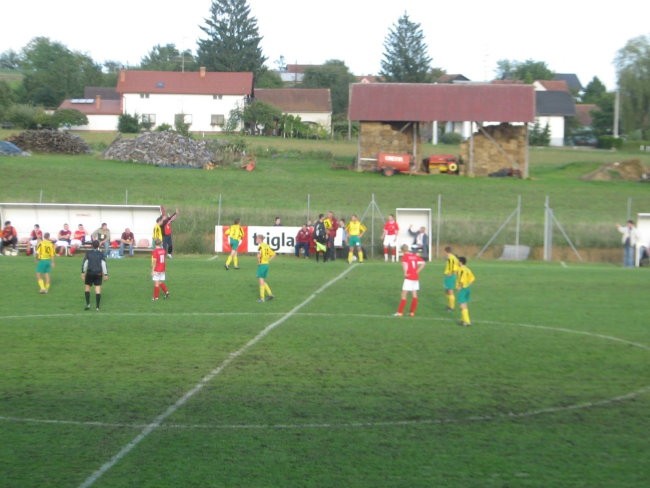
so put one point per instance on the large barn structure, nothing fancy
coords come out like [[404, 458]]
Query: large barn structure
[[390, 116]]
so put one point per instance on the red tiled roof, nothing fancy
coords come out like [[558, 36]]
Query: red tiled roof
[[554, 85], [415, 102], [296, 99], [189, 83], [89, 106], [583, 113]]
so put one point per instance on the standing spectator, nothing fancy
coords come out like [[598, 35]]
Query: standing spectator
[[389, 238], [166, 225], [93, 272], [449, 281], [412, 264], [79, 238], [629, 238], [355, 230], [158, 267], [264, 256], [103, 235], [303, 239], [235, 235], [420, 241], [44, 255], [9, 237], [320, 238], [127, 239], [35, 236], [331, 225], [312, 244], [64, 239], [465, 280]]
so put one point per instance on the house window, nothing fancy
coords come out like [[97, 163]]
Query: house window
[[217, 97], [144, 95], [148, 120], [217, 119], [183, 119]]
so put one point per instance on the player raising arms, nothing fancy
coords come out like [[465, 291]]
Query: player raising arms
[[412, 264]]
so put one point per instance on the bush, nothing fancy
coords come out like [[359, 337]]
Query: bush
[[128, 124], [452, 138], [610, 142]]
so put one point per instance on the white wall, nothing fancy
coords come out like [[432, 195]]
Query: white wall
[[556, 126], [199, 107], [106, 123], [51, 217]]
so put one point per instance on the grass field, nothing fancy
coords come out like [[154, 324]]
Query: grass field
[[322, 387]]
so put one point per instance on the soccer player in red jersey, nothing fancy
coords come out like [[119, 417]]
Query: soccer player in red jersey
[[412, 264], [158, 265], [389, 237]]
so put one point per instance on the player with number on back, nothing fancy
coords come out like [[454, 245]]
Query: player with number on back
[[158, 266], [412, 264]]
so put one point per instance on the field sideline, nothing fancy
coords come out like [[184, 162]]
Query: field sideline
[[322, 387]]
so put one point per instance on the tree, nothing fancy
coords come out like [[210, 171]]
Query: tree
[[53, 73], [336, 76], [594, 91], [527, 71], [68, 117], [268, 79], [633, 69], [233, 40], [168, 58], [405, 54]]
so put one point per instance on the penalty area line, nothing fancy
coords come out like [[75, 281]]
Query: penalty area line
[[157, 422]]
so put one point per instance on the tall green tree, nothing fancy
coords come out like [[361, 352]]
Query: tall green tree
[[405, 56], [602, 118], [54, 73], [527, 71], [168, 58], [336, 76], [633, 71], [233, 41]]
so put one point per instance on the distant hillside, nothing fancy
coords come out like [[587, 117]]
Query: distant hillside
[[10, 77]]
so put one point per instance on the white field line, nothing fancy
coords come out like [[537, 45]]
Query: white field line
[[156, 423]]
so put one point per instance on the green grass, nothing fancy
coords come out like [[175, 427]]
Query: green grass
[[322, 387], [299, 179]]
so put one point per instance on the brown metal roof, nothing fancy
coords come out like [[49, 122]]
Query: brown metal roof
[[191, 83], [296, 99], [415, 102], [93, 106]]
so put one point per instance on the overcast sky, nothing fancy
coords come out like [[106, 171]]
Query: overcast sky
[[466, 37]]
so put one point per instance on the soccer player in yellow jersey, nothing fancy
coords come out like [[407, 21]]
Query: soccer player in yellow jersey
[[264, 256], [355, 230], [44, 262], [235, 235], [464, 282], [449, 280]]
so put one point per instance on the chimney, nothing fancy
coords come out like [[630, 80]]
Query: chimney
[[98, 102], [202, 71], [122, 75]]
